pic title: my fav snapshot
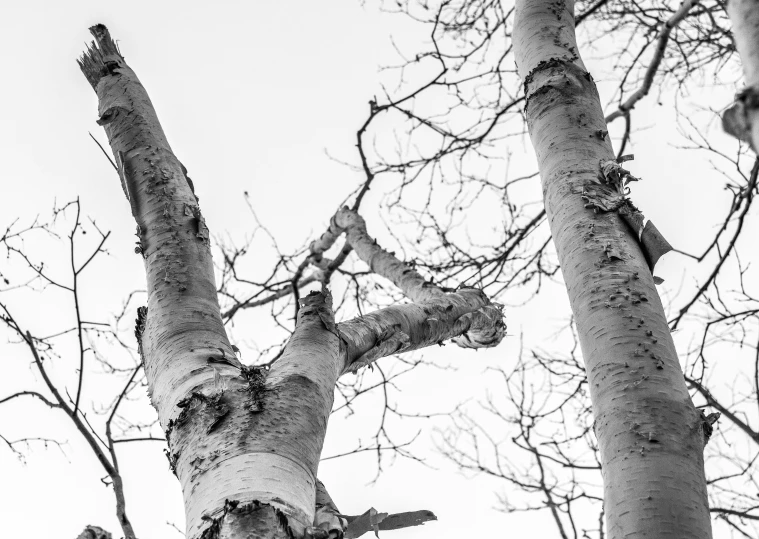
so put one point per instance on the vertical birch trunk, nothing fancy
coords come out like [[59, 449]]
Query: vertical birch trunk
[[744, 16], [245, 445], [649, 433]]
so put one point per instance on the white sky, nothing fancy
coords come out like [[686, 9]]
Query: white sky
[[250, 96]]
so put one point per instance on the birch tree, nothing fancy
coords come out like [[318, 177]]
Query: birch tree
[[650, 435], [245, 441], [742, 119], [647, 51], [457, 153]]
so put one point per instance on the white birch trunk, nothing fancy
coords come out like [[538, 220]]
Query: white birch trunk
[[245, 443], [245, 447], [744, 16], [649, 433]]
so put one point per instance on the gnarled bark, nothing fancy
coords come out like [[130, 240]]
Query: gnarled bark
[[649, 433]]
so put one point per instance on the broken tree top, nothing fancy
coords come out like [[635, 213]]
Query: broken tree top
[[102, 56]]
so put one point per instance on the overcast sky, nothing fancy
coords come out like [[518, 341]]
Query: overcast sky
[[252, 97]]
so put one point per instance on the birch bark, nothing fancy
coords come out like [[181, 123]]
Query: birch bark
[[649, 433], [245, 443], [244, 446], [744, 16]]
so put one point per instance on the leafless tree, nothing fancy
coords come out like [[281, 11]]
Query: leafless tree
[[455, 111], [450, 134]]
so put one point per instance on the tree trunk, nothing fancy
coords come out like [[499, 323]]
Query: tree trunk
[[243, 467], [744, 16], [650, 435], [245, 442]]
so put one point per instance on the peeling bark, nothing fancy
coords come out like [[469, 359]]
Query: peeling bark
[[463, 316], [240, 462], [94, 532], [649, 433], [328, 517], [466, 316], [269, 453], [742, 120], [245, 443]]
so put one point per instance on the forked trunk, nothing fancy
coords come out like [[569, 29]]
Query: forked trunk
[[245, 442], [744, 123], [244, 446], [649, 433]]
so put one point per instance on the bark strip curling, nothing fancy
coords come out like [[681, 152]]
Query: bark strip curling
[[649, 433]]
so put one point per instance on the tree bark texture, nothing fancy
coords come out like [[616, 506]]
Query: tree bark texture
[[94, 532], [744, 16], [245, 445], [245, 442], [466, 315], [649, 433]]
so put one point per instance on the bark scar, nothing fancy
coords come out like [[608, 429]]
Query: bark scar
[[201, 231], [189, 181], [214, 402], [256, 378], [568, 65]]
